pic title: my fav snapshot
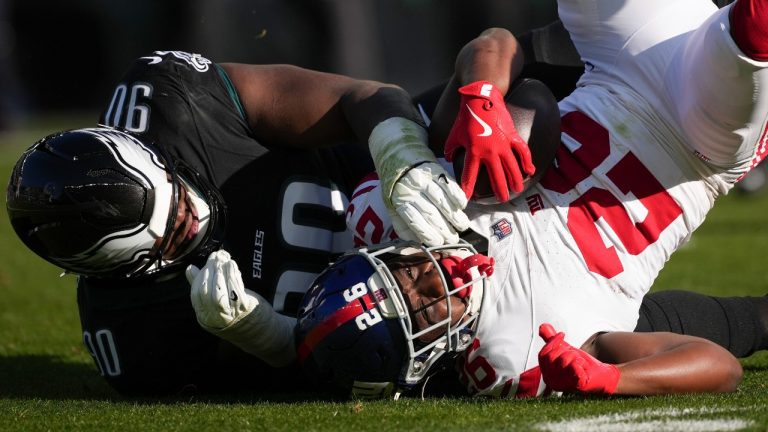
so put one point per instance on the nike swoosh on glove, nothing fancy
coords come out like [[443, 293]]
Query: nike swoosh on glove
[[569, 369], [425, 202], [485, 130]]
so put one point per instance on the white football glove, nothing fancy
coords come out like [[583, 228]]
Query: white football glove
[[225, 308], [218, 294], [425, 203]]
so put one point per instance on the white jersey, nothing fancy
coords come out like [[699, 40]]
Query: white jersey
[[667, 117]]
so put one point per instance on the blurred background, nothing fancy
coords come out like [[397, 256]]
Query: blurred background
[[66, 55], [61, 58]]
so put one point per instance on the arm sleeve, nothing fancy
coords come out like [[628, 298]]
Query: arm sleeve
[[550, 44], [263, 333]]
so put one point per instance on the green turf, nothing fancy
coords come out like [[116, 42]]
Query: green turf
[[47, 380]]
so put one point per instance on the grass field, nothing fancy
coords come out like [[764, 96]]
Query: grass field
[[48, 382]]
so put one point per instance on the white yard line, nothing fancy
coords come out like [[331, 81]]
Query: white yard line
[[654, 420]]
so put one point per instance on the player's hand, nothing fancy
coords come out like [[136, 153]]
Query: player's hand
[[569, 369], [425, 203], [427, 206], [218, 295], [485, 130]]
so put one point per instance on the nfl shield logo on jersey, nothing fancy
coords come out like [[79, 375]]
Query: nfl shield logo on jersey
[[502, 229]]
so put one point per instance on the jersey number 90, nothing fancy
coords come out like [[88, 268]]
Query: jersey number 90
[[311, 224], [127, 110]]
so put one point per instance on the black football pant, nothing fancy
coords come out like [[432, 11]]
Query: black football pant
[[739, 324]]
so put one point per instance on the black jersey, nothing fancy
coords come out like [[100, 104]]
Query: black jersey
[[284, 224]]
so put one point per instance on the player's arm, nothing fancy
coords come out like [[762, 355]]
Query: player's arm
[[663, 363], [494, 56], [637, 364], [471, 116], [225, 308], [304, 108], [289, 105]]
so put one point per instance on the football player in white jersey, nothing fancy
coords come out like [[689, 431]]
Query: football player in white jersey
[[669, 115]]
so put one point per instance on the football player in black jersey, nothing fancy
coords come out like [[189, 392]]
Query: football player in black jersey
[[194, 156]]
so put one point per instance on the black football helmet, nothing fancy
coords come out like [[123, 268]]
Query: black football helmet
[[96, 201]]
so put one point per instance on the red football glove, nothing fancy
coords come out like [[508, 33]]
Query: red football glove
[[568, 369], [484, 128]]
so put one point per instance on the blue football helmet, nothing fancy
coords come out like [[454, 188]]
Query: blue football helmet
[[356, 331]]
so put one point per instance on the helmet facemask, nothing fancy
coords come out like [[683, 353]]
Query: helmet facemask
[[449, 336]]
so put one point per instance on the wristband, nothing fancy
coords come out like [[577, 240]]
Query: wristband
[[396, 145]]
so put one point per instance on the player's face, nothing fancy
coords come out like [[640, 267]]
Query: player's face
[[185, 227], [424, 292]]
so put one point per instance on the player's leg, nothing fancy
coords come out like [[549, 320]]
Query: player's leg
[[716, 91], [739, 324], [145, 340], [145, 343], [618, 39]]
